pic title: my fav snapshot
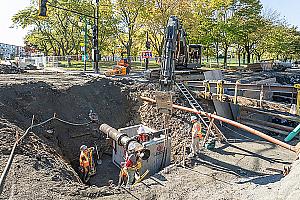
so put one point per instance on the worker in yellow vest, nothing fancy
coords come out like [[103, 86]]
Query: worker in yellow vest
[[196, 135]]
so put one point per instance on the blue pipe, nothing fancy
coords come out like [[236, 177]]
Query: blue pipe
[[292, 134]]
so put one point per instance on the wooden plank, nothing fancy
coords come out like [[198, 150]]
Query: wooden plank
[[273, 125], [274, 114], [208, 130], [220, 135], [265, 128]]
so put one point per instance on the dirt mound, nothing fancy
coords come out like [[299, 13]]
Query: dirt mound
[[21, 102], [10, 69], [36, 163], [179, 124], [44, 157], [285, 189]]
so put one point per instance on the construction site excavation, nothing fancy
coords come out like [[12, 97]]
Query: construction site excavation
[[150, 100], [46, 118]]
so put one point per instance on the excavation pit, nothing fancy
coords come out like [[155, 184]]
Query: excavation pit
[[43, 160]]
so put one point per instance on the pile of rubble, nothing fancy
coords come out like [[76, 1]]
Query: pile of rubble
[[36, 163], [10, 69], [179, 123]]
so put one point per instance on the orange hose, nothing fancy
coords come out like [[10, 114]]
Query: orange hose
[[231, 122]]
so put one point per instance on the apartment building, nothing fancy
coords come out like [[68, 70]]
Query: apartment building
[[8, 51]]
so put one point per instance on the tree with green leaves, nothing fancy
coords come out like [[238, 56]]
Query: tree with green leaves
[[127, 13]]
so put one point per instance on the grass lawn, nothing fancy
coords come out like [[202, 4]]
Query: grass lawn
[[137, 66], [103, 65]]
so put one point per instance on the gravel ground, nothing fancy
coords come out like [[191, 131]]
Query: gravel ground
[[243, 169]]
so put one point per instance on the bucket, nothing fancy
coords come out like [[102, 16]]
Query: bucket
[[210, 144]]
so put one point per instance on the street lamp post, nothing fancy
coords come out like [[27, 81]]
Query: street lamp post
[[85, 43], [95, 39], [147, 48], [85, 29]]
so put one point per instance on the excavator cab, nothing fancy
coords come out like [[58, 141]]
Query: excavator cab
[[195, 52], [177, 54]]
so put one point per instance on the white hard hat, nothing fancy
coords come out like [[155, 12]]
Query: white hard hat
[[193, 118], [141, 130], [83, 147], [131, 147]]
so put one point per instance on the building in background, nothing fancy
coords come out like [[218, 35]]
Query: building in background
[[8, 51]]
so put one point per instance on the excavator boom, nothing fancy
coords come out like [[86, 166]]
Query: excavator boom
[[174, 53]]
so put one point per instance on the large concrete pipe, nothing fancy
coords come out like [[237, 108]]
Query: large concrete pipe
[[233, 123], [123, 140]]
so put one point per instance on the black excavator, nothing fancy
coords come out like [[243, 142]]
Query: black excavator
[[177, 55]]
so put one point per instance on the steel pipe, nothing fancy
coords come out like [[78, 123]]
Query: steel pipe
[[231, 122], [123, 140]]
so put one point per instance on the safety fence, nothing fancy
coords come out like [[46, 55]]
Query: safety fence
[[77, 61]]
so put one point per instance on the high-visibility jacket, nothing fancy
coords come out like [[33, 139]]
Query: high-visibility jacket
[[143, 137], [131, 161], [196, 130], [86, 158]]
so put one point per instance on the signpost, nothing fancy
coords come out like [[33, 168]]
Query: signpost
[[147, 54]]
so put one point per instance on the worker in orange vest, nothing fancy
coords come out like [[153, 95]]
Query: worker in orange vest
[[142, 136], [86, 162], [196, 135]]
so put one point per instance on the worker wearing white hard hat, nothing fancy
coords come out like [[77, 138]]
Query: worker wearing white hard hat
[[196, 135], [130, 163], [83, 147], [142, 135], [86, 162], [193, 118], [141, 130]]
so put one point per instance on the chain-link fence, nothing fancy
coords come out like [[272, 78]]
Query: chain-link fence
[[76, 61]]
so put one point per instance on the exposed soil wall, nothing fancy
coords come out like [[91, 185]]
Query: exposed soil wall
[[46, 153]]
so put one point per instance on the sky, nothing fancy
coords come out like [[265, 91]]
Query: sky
[[287, 8], [8, 9]]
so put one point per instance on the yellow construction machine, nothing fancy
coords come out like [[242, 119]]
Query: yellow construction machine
[[122, 68]]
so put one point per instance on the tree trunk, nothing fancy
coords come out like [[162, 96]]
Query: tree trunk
[[244, 57], [247, 48], [129, 49], [217, 53], [258, 57], [225, 56], [239, 57], [207, 54]]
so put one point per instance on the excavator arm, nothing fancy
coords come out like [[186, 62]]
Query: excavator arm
[[174, 53]]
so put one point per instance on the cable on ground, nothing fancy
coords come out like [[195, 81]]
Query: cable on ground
[[11, 156]]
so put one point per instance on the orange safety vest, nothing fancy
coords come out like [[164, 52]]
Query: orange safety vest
[[196, 130], [84, 160]]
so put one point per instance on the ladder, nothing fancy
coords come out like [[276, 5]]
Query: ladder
[[193, 103]]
